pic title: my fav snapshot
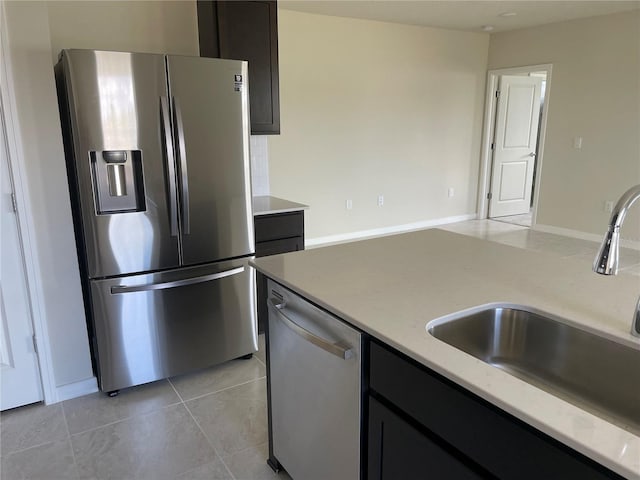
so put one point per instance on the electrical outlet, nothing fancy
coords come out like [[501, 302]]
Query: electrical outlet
[[577, 142], [349, 204], [380, 200], [608, 206], [450, 192]]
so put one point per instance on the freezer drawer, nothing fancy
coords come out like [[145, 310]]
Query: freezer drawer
[[315, 388], [154, 326]]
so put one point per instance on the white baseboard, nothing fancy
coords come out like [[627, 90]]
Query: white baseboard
[[77, 389], [379, 232], [567, 232]]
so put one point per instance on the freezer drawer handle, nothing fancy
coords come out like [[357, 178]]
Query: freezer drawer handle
[[171, 172], [117, 289], [332, 348], [182, 154]]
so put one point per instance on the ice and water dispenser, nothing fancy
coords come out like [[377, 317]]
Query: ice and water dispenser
[[118, 181]]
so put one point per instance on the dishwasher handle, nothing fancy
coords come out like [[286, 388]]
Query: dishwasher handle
[[332, 348]]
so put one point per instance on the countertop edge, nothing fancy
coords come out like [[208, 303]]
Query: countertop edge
[[269, 205]]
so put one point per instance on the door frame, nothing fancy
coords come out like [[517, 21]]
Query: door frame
[[16, 163], [488, 129]]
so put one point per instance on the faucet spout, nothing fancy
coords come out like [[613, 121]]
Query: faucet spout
[[622, 206], [606, 262]]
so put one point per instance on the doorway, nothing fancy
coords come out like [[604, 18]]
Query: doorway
[[26, 372], [516, 109], [20, 382]]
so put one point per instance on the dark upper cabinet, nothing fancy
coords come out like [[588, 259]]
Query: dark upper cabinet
[[247, 30]]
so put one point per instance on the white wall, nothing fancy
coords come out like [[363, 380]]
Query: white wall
[[44, 168], [595, 94], [138, 26], [371, 108], [36, 33]]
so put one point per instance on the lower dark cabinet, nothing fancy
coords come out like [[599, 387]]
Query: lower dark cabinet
[[398, 450], [466, 428], [274, 247], [275, 233]]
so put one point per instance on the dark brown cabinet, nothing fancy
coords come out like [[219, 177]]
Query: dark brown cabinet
[[420, 422], [247, 30], [275, 233], [400, 450]]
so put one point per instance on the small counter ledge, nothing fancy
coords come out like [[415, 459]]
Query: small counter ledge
[[391, 287], [268, 205]]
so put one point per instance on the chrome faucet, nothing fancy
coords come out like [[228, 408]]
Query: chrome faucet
[[606, 262]]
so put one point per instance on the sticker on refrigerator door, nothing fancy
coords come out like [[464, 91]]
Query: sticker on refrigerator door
[[237, 83]]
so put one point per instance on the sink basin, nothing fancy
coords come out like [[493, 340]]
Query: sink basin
[[590, 371]]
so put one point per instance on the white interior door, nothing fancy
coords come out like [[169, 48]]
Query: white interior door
[[20, 382], [517, 122]]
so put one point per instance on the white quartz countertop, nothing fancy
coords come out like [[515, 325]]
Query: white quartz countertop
[[391, 287], [267, 205]]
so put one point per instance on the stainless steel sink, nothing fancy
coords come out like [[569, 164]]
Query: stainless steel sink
[[592, 372]]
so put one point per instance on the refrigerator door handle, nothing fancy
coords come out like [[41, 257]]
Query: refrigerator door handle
[[171, 169], [182, 157], [118, 289]]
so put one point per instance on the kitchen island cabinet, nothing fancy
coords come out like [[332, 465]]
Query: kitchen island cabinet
[[420, 421], [440, 402], [398, 449]]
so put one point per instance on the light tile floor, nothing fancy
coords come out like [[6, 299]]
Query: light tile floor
[[210, 424], [523, 220]]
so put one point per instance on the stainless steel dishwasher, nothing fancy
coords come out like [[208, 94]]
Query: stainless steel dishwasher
[[315, 375]]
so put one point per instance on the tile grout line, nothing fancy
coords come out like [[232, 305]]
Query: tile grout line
[[261, 362], [175, 390], [73, 453], [227, 388], [181, 401], [4, 456], [164, 407], [20, 450], [215, 450]]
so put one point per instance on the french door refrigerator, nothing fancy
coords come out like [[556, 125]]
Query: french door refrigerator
[[157, 150]]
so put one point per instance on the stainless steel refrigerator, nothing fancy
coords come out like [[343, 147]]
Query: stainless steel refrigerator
[[157, 150]]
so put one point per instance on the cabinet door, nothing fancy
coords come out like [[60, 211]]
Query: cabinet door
[[278, 226], [398, 450], [274, 247], [247, 30], [503, 445]]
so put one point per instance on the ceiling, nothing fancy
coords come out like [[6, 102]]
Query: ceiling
[[468, 15]]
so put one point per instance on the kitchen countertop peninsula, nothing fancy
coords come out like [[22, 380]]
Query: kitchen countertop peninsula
[[268, 205], [391, 287]]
